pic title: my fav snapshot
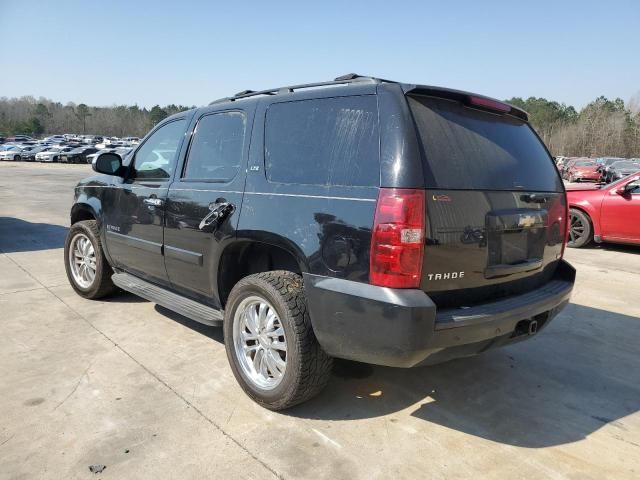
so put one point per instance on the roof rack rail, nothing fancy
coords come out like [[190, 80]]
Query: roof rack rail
[[343, 79], [356, 76]]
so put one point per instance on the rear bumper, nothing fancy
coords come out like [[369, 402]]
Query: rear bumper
[[404, 328], [591, 177]]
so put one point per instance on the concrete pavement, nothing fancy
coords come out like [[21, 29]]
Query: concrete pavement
[[127, 384]]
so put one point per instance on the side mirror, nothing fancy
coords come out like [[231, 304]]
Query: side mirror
[[629, 187], [108, 163]]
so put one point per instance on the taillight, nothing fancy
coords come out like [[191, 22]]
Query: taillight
[[566, 225], [397, 239]]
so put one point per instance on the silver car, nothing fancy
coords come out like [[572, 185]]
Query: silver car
[[11, 153], [52, 154]]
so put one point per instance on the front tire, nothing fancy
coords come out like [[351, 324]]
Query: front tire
[[271, 346], [87, 269], [580, 230]]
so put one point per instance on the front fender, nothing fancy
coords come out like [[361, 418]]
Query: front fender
[[88, 205], [592, 210], [85, 204]]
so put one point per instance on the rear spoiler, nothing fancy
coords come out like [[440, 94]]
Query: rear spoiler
[[470, 99]]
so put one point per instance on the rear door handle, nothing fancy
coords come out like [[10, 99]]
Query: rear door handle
[[153, 202], [218, 212]]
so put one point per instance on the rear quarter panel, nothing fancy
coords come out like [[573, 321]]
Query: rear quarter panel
[[326, 228]]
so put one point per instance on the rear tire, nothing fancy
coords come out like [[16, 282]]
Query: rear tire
[[86, 285], [580, 229], [301, 368], [16, 158]]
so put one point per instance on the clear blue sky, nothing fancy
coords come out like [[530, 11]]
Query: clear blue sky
[[190, 52]]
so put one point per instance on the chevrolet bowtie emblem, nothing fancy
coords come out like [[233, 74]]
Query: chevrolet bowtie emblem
[[526, 221]]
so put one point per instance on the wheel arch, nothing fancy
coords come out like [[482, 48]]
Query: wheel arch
[[245, 257], [82, 211], [591, 213]]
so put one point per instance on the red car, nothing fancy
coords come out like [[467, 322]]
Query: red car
[[607, 214], [584, 171]]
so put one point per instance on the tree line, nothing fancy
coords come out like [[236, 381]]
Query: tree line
[[602, 128], [36, 117]]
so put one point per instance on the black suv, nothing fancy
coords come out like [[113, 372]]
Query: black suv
[[361, 218]]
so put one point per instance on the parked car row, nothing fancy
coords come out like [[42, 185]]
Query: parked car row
[[99, 141], [70, 153], [598, 170], [62, 148]]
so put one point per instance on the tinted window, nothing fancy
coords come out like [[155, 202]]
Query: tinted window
[[329, 141], [634, 187], [216, 148], [157, 156], [471, 149]]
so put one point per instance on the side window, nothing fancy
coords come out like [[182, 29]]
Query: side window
[[157, 157], [216, 148], [327, 141], [634, 187]]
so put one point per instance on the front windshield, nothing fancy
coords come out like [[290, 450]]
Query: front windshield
[[585, 163], [617, 183]]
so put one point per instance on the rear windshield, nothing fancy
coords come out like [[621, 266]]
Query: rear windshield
[[469, 149]]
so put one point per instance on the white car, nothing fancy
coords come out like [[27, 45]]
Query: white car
[[55, 139], [123, 152], [107, 142], [11, 153], [52, 154]]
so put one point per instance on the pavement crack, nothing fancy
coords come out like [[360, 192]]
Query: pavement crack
[[7, 440], [153, 374], [170, 388], [73, 390], [22, 291]]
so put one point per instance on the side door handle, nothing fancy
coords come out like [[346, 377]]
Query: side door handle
[[153, 202], [217, 213]]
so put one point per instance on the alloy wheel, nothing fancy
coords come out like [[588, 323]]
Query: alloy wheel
[[260, 343], [576, 228], [82, 260]]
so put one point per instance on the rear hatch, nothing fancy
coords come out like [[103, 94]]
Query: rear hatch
[[495, 203]]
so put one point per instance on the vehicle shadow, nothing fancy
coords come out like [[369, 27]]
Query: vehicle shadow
[[616, 247], [578, 375], [18, 235], [214, 333], [124, 297]]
